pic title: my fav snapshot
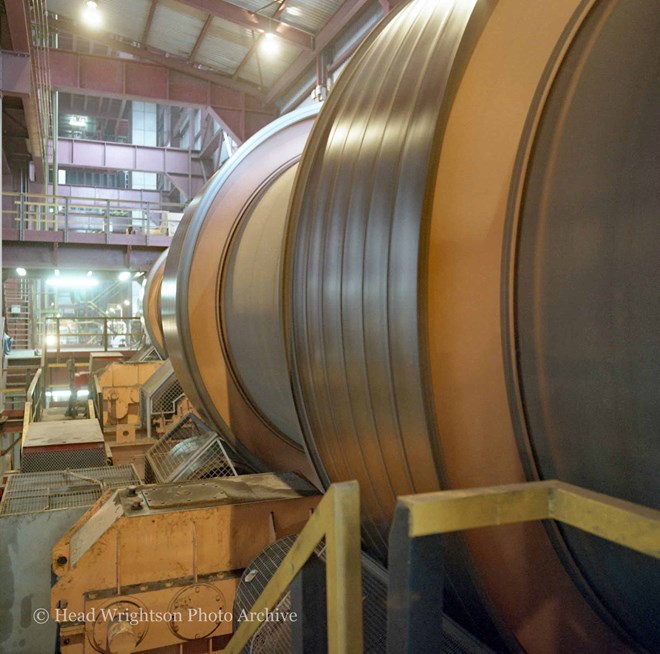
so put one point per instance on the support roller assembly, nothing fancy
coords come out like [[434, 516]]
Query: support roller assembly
[[450, 278]]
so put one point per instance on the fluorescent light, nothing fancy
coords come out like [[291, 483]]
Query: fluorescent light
[[269, 44], [124, 276], [78, 121], [21, 272], [71, 282], [57, 272], [293, 11], [127, 303], [89, 273]]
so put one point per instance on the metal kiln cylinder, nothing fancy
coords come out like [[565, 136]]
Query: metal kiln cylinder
[[462, 293]]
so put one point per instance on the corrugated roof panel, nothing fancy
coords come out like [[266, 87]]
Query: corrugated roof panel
[[272, 65], [126, 19], [224, 46], [308, 15], [175, 28]]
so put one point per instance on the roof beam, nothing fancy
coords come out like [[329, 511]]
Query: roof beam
[[328, 33], [147, 25], [200, 39], [239, 16], [102, 155], [116, 43]]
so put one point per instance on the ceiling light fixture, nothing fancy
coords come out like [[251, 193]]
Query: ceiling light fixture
[[21, 272], [269, 44], [78, 121], [293, 11], [91, 14], [124, 276]]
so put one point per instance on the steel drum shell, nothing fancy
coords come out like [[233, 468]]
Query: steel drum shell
[[192, 286], [397, 283]]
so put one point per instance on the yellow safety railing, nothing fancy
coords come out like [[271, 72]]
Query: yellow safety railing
[[45, 212], [61, 334], [27, 419], [416, 579], [631, 525], [337, 520]]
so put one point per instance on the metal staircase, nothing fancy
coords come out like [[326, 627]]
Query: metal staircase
[[18, 312]]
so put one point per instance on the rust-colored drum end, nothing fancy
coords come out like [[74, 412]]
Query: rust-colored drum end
[[151, 308]]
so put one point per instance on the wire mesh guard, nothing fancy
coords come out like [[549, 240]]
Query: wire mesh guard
[[274, 637], [189, 450], [63, 489], [159, 397], [149, 353], [52, 459]]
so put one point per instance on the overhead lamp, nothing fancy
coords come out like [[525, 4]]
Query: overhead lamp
[[89, 273], [127, 303], [78, 121], [57, 272], [293, 11], [269, 44], [124, 276], [21, 272], [91, 14]]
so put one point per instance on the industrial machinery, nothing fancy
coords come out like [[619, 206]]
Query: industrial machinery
[[157, 566], [453, 288], [36, 511], [160, 397], [117, 393], [62, 445]]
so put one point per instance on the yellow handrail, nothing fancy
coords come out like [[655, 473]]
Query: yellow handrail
[[631, 525], [27, 417], [337, 519]]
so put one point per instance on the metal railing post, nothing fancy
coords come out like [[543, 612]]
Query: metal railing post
[[308, 600], [66, 220], [145, 225], [57, 328], [105, 334], [415, 589], [21, 221], [107, 221], [337, 519]]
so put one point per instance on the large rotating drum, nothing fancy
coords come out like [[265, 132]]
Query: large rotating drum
[[221, 297], [473, 285], [465, 292]]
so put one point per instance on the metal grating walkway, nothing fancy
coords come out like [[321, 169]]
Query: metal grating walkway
[[62, 489]]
